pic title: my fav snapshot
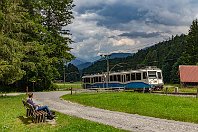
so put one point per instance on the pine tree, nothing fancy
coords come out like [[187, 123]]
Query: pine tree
[[11, 52], [192, 43]]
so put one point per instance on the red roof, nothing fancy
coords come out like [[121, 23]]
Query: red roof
[[188, 73]]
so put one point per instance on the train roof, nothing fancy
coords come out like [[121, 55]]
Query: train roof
[[123, 72]]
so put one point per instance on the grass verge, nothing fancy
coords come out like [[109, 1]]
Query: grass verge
[[67, 86], [12, 118], [167, 107], [171, 88]]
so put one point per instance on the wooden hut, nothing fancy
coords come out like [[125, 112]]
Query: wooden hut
[[188, 75]]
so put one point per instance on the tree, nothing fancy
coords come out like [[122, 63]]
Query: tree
[[29, 50], [51, 16], [72, 73], [192, 43], [12, 25]]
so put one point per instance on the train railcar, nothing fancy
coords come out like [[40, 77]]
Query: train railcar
[[148, 78]]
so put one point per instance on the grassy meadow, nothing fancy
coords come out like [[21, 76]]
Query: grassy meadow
[[67, 85], [160, 106], [171, 88], [12, 117]]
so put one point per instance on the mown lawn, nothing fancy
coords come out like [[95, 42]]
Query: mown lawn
[[12, 120], [167, 107]]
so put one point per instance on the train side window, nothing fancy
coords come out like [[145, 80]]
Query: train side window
[[159, 75], [138, 76], [87, 80], [92, 80], [119, 78], [114, 78], [132, 76], [128, 77], [144, 75], [99, 79], [111, 78], [95, 79]]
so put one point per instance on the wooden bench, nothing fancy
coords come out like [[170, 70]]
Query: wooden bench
[[37, 116]]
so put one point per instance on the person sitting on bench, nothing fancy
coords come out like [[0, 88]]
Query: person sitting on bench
[[39, 107]]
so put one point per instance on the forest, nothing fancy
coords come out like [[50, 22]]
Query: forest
[[34, 47], [167, 55]]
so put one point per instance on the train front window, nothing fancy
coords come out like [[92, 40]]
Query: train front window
[[159, 75], [152, 74]]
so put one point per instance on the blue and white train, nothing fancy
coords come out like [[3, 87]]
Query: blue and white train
[[148, 78]]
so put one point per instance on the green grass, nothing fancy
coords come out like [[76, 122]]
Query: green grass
[[167, 107], [67, 85], [181, 90], [12, 118], [171, 88]]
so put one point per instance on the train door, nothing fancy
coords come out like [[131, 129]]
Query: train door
[[144, 76], [160, 78], [123, 78]]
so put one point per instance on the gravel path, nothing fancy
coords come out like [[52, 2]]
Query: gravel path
[[131, 122]]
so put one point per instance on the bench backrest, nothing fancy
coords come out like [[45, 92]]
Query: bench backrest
[[27, 105]]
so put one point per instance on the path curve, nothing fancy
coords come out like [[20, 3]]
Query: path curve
[[131, 122]]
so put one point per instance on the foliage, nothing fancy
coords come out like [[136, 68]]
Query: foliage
[[12, 119], [167, 107], [11, 26], [32, 43], [72, 74]]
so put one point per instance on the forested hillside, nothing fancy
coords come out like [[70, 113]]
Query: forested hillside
[[32, 46], [167, 55]]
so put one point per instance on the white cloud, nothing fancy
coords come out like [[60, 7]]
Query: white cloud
[[122, 42], [93, 36]]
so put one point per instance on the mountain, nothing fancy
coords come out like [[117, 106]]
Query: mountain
[[78, 61], [81, 63], [84, 65], [120, 55]]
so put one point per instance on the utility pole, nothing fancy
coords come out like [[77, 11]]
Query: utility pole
[[64, 62], [106, 56]]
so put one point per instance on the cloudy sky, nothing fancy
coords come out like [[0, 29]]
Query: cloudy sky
[[106, 26]]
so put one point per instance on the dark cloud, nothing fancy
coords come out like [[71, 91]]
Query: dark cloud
[[112, 25], [140, 34], [119, 13], [122, 13], [115, 14]]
